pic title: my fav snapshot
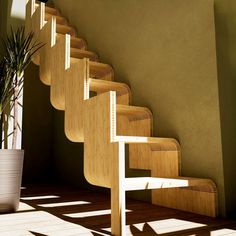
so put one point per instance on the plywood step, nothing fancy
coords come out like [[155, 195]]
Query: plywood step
[[59, 19], [78, 53], [102, 86], [102, 71], [98, 70], [52, 11], [66, 29], [156, 144], [134, 112], [75, 42], [142, 183]]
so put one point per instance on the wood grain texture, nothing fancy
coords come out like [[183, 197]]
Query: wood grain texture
[[204, 202], [65, 29], [145, 183], [118, 201], [47, 36], [102, 86], [76, 91], [60, 20], [49, 10], [75, 42], [101, 71], [124, 99], [99, 152], [104, 155], [61, 51], [36, 25], [52, 11], [80, 53], [123, 92]]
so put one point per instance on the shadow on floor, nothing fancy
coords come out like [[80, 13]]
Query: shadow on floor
[[90, 210]]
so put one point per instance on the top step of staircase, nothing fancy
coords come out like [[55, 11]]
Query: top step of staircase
[[50, 10]]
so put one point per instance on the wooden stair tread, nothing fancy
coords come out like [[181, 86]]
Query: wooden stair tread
[[100, 70], [142, 183], [78, 53], [49, 10], [158, 144], [97, 70], [134, 112], [75, 42], [52, 11], [101, 86], [59, 19], [65, 29]]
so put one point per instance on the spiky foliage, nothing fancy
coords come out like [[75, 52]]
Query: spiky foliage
[[19, 49], [6, 86]]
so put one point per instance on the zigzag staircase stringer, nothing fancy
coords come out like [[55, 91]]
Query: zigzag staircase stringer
[[106, 122]]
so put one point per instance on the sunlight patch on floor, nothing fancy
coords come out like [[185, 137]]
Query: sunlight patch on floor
[[221, 232], [17, 233], [61, 204], [162, 226], [25, 207], [39, 222], [90, 213], [39, 197]]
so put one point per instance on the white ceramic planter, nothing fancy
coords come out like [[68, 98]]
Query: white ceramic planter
[[11, 166]]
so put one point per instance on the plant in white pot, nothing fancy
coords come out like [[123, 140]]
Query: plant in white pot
[[18, 51]]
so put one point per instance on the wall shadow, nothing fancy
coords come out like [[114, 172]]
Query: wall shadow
[[225, 23]]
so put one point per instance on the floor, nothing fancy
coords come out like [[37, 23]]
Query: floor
[[57, 211]]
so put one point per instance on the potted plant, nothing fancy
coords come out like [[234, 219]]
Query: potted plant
[[18, 50]]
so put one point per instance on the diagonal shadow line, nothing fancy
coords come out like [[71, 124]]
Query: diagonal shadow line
[[37, 234]]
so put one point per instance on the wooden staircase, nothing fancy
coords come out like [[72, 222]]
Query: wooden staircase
[[106, 121]]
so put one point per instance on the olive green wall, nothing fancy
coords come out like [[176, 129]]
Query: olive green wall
[[225, 15], [165, 50]]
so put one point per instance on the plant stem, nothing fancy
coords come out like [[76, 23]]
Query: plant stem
[[1, 128], [15, 113]]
